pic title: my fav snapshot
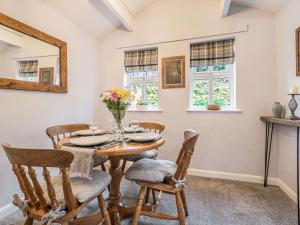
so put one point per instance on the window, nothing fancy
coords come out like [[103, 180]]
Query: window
[[28, 70], [212, 74], [143, 86], [141, 77]]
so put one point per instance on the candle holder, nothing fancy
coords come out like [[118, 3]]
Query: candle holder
[[293, 105]]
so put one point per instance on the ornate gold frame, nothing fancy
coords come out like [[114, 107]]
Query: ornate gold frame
[[163, 61]]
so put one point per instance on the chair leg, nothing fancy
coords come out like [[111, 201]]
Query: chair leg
[[103, 167], [104, 209], [180, 209], [183, 198], [147, 195], [123, 166], [139, 206], [154, 197], [29, 221]]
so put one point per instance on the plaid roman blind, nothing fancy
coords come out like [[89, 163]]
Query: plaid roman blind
[[141, 60], [212, 53]]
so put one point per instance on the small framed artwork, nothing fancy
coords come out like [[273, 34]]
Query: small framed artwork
[[46, 75], [173, 72], [298, 51]]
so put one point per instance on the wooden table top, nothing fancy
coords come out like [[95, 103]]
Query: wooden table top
[[281, 121], [126, 148]]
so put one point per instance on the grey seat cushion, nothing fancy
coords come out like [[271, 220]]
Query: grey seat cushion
[[99, 160], [83, 188], [142, 155], [151, 171]]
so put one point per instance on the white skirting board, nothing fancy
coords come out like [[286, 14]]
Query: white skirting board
[[9, 209]]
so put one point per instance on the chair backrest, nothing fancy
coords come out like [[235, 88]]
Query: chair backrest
[[186, 153], [56, 133], [152, 126], [32, 190]]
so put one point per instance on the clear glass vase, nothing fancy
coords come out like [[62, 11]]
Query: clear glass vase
[[119, 129]]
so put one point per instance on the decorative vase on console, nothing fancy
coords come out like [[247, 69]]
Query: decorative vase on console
[[117, 102], [277, 110]]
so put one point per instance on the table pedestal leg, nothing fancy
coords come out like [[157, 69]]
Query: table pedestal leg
[[115, 195], [116, 209]]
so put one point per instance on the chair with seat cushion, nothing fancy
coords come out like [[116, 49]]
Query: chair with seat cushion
[[151, 154], [56, 133], [57, 199], [164, 176]]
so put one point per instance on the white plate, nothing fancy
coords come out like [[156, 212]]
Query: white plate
[[88, 132], [132, 130], [89, 141], [143, 137]]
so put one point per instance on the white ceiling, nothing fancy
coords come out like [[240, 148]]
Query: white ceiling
[[269, 5], [92, 15], [95, 18], [136, 6]]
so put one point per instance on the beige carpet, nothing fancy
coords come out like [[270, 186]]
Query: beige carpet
[[214, 202]]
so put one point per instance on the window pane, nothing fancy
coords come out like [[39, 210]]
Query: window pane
[[152, 94], [136, 94], [221, 91], [201, 69], [219, 68], [200, 92]]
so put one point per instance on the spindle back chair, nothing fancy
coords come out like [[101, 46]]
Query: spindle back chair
[[176, 188], [35, 204], [154, 127], [56, 133]]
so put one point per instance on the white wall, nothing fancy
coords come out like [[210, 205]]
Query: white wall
[[25, 115], [287, 22], [229, 142]]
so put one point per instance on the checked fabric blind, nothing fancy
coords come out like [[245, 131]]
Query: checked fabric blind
[[141, 60], [212, 53]]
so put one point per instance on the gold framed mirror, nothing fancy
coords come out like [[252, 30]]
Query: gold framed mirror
[[31, 59]]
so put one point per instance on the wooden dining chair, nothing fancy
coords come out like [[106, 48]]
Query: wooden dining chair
[[57, 199], [56, 133], [173, 183], [154, 127]]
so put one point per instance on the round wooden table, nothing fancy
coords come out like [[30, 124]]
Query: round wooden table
[[116, 209]]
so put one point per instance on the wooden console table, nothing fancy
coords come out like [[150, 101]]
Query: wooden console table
[[270, 122]]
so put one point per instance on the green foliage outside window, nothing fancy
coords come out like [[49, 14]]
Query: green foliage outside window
[[221, 91], [200, 92], [152, 94], [219, 68], [201, 69]]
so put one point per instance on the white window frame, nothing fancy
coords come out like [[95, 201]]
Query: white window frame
[[127, 82], [210, 74]]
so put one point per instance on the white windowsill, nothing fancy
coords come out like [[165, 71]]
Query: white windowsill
[[144, 109], [215, 111]]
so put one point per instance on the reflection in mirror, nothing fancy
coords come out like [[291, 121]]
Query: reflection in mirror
[[25, 58]]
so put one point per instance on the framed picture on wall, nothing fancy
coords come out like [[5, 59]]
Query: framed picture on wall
[[173, 72], [46, 75], [298, 51]]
